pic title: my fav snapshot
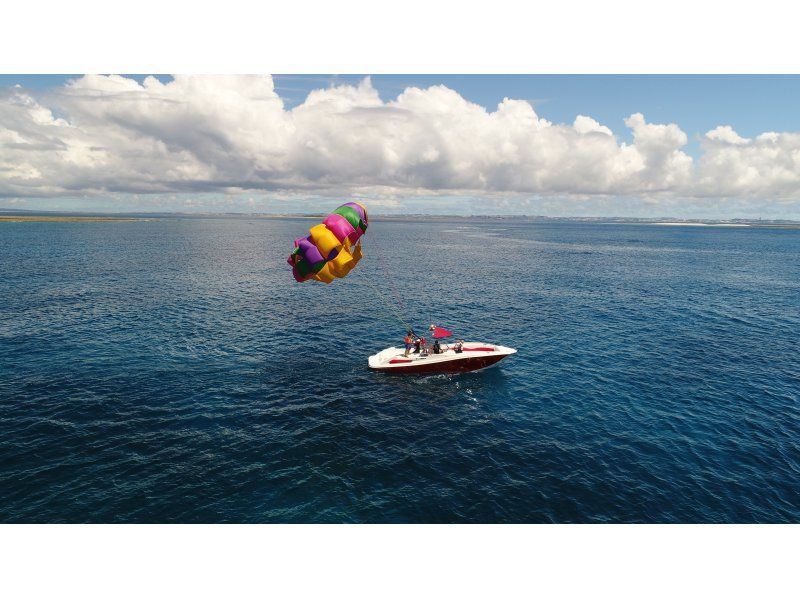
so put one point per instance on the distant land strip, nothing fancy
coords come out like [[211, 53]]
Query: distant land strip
[[10, 215], [67, 219]]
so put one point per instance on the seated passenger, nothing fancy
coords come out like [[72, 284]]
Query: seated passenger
[[437, 348]]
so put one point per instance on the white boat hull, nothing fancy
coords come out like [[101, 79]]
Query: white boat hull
[[475, 356]]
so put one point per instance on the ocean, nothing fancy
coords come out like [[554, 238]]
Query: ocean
[[171, 370]]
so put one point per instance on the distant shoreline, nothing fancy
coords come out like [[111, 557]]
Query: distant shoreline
[[698, 224], [32, 216], [26, 218]]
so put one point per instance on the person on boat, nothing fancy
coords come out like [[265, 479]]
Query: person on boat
[[407, 341], [424, 349], [437, 348], [418, 344], [459, 346]]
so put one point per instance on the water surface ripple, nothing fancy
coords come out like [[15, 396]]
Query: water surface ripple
[[172, 371]]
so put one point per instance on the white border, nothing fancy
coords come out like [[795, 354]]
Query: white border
[[417, 36], [413, 36], [398, 560]]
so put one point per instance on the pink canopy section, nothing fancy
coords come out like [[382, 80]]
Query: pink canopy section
[[440, 332]]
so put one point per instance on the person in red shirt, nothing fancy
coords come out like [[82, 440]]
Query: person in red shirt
[[407, 340]]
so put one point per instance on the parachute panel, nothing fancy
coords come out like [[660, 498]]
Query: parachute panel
[[350, 214], [339, 226], [325, 241]]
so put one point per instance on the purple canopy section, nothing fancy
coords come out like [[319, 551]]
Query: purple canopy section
[[309, 251]]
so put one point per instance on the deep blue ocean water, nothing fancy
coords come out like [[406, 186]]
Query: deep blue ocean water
[[172, 371]]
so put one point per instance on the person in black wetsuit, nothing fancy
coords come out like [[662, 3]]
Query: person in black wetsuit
[[437, 348]]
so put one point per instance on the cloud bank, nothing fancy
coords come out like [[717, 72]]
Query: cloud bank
[[106, 134]]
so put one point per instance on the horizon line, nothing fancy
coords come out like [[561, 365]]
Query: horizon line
[[663, 218]]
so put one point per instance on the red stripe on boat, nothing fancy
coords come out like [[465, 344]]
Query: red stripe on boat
[[451, 366], [478, 349], [400, 361]]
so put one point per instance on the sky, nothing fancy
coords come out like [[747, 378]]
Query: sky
[[694, 146]]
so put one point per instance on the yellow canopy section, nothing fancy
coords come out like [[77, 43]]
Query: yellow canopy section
[[340, 266]]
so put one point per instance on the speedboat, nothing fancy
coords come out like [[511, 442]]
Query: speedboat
[[467, 357]]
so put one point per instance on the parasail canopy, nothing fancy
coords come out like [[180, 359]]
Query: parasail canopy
[[332, 249]]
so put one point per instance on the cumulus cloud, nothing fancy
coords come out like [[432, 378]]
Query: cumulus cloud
[[768, 165], [101, 134]]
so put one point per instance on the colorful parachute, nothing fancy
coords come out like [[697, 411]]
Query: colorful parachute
[[332, 248]]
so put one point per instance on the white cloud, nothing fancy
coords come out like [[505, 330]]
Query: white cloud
[[768, 165], [101, 134], [586, 124], [726, 134]]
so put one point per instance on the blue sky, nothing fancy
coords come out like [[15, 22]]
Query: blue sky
[[722, 184]]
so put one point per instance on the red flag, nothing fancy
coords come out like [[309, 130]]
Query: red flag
[[441, 332]]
